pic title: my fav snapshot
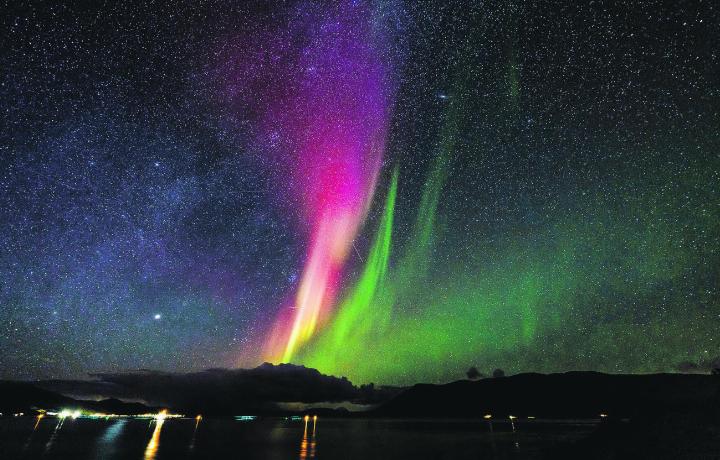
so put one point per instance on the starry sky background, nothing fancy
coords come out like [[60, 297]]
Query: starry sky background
[[572, 148]]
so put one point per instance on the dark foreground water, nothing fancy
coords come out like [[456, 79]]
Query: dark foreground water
[[224, 438]]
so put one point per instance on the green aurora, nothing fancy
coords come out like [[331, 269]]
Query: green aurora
[[616, 282], [565, 298]]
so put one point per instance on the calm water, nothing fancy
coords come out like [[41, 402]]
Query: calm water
[[345, 439]]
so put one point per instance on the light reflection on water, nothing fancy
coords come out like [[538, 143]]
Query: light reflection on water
[[307, 449], [131, 439], [39, 417], [54, 435], [112, 432], [106, 445], [30, 438], [192, 441], [154, 443]]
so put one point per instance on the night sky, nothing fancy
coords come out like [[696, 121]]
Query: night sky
[[390, 191]]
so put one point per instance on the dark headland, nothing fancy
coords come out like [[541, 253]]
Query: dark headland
[[26, 398]]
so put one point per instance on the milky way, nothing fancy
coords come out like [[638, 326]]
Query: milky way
[[391, 191]]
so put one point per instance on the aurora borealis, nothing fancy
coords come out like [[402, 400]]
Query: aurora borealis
[[332, 126], [389, 191]]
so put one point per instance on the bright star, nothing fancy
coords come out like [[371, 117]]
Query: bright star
[[157, 316]]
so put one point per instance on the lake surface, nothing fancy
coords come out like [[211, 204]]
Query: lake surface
[[226, 438]]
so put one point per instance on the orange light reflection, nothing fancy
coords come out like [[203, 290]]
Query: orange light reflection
[[154, 443], [307, 446]]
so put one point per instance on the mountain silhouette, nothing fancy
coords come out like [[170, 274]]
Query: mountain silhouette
[[571, 394]]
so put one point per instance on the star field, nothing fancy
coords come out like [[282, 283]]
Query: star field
[[556, 206]]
